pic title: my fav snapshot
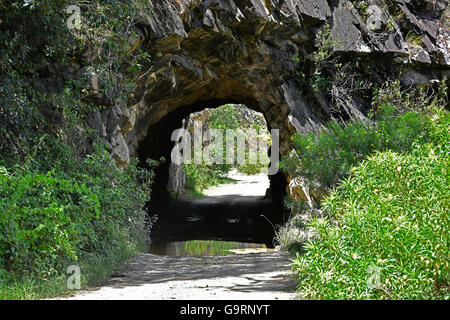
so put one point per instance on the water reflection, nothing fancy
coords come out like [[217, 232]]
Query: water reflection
[[205, 248]]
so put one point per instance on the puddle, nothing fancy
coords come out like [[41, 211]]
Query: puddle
[[206, 248]]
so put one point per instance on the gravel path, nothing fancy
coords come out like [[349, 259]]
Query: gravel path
[[254, 276], [255, 185], [248, 276]]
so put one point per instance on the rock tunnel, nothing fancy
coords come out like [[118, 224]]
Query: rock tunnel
[[264, 54]]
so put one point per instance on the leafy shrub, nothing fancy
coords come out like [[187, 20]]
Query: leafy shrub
[[35, 42], [414, 99], [122, 195], [325, 158], [390, 215], [201, 176], [385, 231], [251, 168], [76, 210], [34, 33], [20, 119], [43, 219], [224, 117], [61, 198]]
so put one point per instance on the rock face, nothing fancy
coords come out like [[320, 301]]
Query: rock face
[[177, 179], [264, 54]]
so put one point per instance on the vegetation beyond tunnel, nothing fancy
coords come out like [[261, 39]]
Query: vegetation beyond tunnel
[[178, 202]]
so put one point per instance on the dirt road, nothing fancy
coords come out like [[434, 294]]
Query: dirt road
[[250, 276]]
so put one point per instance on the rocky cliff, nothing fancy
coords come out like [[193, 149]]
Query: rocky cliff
[[299, 62]]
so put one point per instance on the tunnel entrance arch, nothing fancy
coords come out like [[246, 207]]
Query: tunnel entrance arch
[[258, 214]]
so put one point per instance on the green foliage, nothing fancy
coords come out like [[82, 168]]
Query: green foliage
[[362, 7], [20, 118], [95, 270], [78, 209], [332, 75], [391, 214], [34, 33], [201, 176], [413, 39], [35, 42], [31, 34], [62, 199], [384, 232], [13, 287], [251, 168], [43, 219], [289, 239], [410, 100], [318, 78], [325, 44], [326, 157], [224, 117]]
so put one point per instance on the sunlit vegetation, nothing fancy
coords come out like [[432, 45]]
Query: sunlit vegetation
[[63, 200], [201, 176], [384, 228]]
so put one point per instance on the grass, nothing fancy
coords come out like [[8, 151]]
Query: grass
[[194, 192], [391, 215], [226, 180], [384, 228], [94, 272]]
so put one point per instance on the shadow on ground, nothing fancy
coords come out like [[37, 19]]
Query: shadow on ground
[[247, 276], [229, 217]]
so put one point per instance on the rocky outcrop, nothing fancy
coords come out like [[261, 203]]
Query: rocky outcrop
[[177, 179], [258, 53], [300, 190]]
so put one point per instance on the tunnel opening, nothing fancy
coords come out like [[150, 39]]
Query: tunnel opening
[[244, 217]]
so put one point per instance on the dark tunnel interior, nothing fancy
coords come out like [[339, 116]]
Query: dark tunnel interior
[[182, 220]]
